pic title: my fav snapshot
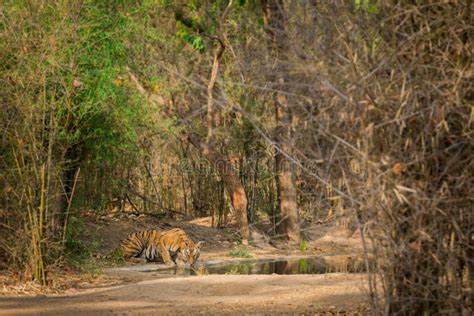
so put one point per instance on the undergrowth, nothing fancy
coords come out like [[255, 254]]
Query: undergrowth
[[240, 253], [78, 250]]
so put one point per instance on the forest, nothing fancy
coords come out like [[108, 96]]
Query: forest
[[265, 128]]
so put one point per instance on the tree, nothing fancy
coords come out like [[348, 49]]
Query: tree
[[208, 147], [277, 42]]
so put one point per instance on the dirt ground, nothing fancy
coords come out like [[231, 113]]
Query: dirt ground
[[211, 294], [129, 291]]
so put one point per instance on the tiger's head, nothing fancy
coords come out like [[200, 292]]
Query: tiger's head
[[191, 254]]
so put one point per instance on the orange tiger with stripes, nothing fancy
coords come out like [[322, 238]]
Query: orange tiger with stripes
[[170, 246]]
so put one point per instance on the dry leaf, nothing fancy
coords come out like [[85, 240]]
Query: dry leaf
[[397, 168], [355, 166]]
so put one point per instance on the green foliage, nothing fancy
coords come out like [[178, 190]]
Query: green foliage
[[107, 112], [194, 4], [240, 253], [77, 249], [98, 113], [371, 7], [196, 42], [117, 257], [303, 245], [63, 73], [166, 3], [197, 20]]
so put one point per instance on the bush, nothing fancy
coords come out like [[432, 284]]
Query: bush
[[240, 253]]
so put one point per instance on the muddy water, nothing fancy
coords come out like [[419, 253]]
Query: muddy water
[[307, 265]]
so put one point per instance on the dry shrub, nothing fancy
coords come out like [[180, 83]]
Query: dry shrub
[[394, 119], [383, 103], [422, 130]]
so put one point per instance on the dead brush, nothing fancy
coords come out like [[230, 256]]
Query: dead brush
[[406, 105], [384, 98]]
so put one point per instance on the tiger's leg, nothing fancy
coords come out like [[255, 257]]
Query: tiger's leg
[[165, 253], [152, 253], [180, 261]]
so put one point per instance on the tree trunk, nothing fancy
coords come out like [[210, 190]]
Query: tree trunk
[[278, 42], [232, 183]]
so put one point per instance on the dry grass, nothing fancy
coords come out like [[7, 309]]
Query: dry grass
[[61, 281]]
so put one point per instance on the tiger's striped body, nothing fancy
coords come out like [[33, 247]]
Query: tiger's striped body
[[143, 244], [153, 245]]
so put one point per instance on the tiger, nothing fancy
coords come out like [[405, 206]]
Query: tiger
[[172, 246]]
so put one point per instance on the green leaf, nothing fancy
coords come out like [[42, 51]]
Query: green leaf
[[198, 44], [357, 4], [194, 4], [373, 8], [166, 3]]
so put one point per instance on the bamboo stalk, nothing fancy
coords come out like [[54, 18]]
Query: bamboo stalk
[[69, 203], [35, 220], [40, 263]]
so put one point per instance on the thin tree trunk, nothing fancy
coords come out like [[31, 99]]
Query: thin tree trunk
[[254, 189], [278, 41], [232, 183], [221, 209], [228, 174]]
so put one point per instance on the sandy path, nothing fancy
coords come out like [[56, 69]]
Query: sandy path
[[215, 294]]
